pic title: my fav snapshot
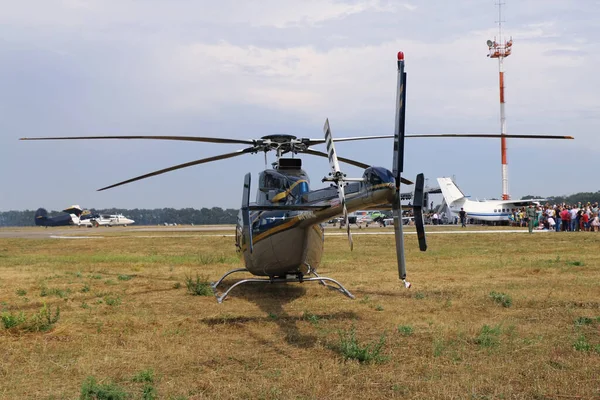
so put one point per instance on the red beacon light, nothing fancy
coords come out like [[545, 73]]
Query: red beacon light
[[400, 56]]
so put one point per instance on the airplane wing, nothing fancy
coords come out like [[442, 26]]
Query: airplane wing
[[520, 203]]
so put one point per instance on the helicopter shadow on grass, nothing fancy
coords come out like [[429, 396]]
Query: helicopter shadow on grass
[[272, 299]]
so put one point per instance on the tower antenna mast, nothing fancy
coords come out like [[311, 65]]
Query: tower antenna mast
[[499, 48]]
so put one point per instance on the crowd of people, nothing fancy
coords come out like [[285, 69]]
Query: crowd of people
[[559, 217]]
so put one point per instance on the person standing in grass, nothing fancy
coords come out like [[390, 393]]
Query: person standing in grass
[[463, 217], [595, 222], [565, 216], [531, 213]]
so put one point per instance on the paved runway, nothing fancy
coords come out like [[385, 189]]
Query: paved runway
[[227, 231], [75, 231]]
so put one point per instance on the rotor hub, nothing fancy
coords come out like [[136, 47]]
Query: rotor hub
[[280, 143], [277, 138]]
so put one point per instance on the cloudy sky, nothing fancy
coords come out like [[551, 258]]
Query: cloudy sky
[[245, 69]]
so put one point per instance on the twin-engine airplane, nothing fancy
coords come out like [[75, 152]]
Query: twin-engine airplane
[[75, 215], [110, 220], [485, 210], [281, 234], [72, 217]]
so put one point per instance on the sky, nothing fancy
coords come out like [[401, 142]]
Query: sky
[[246, 69]]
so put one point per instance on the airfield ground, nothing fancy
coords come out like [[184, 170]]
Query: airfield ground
[[490, 315]]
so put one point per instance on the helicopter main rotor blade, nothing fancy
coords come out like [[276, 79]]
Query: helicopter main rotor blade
[[180, 138], [185, 165], [311, 142], [349, 161], [489, 135], [346, 160]]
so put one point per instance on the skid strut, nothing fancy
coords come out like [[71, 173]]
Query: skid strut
[[294, 279]]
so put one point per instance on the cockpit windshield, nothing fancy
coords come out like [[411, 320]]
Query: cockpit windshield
[[378, 175], [279, 188]]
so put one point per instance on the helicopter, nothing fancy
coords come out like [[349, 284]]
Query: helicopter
[[281, 234]]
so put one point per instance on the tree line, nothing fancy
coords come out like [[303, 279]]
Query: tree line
[[157, 216], [217, 215], [581, 197]]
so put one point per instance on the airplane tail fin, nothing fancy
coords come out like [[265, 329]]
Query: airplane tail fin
[[41, 215], [450, 191]]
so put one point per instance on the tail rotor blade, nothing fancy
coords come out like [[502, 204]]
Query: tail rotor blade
[[338, 176], [397, 167], [418, 199], [333, 160], [346, 219]]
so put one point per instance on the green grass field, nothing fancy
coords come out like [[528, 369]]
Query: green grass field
[[489, 316]]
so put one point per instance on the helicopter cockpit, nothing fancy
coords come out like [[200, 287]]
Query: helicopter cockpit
[[277, 188], [378, 175]]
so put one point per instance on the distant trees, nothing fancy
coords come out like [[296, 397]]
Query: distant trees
[[217, 215], [17, 218], [158, 216], [581, 197]]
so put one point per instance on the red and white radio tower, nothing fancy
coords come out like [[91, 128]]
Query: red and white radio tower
[[500, 49]]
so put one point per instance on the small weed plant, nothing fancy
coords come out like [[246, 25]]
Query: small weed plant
[[488, 336], [198, 286], [43, 320], [438, 347], [149, 392], [501, 298], [405, 330], [54, 292], [146, 375], [581, 344], [310, 317], [124, 277], [581, 321], [10, 320], [112, 300], [92, 390], [351, 349]]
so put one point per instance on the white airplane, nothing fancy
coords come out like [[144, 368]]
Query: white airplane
[[487, 210], [110, 220]]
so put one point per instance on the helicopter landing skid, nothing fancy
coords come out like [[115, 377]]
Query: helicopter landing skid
[[297, 278]]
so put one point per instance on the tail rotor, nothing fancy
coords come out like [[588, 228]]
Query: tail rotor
[[337, 177], [397, 169]]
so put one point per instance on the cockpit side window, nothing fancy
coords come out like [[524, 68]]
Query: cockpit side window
[[378, 175]]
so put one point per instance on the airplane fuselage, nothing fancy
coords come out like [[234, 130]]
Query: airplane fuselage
[[111, 220], [489, 210]]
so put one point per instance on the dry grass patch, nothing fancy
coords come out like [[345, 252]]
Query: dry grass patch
[[127, 322]]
